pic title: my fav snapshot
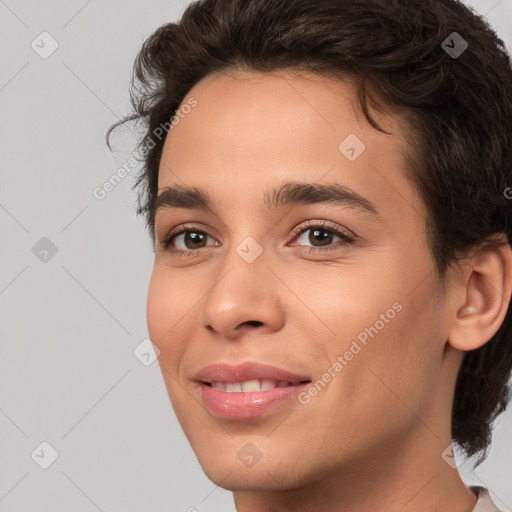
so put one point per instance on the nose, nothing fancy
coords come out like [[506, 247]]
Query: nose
[[245, 298]]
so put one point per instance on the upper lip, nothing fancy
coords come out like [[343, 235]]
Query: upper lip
[[249, 370]]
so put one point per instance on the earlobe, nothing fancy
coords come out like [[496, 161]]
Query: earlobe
[[485, 290], [466, 311]]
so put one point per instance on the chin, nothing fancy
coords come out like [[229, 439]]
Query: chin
[[235, 478], [266, 474]]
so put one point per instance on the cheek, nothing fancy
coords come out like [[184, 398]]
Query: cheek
[[351, 301], [390, 324], [159, 300], [401, 365], [165, 313], [166, 308]]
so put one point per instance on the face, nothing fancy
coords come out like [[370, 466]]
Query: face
[[339, 293]]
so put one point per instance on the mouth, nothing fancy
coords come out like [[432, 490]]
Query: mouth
[[246, 390]]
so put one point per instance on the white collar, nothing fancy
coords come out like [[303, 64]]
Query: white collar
[[484, 502]]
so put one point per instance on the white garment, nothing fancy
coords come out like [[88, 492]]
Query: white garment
[[484, 502]]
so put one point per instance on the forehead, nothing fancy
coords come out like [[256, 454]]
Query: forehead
[[250, 129]]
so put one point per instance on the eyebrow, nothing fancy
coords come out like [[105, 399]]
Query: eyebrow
[[289, 193]]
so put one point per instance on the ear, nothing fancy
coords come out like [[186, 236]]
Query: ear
[[482, 295]]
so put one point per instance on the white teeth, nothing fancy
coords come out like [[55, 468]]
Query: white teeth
[[250, 385], [233, 387], [267, 384]]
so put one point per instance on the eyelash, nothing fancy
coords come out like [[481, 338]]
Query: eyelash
[[308, 225]]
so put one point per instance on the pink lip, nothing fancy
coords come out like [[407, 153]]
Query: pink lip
[[238, 406], [243, 405], [222, 372]]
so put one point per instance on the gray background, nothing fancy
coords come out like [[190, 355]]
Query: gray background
[[70, 321]]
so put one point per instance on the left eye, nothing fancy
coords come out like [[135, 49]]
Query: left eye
[[323, 236]]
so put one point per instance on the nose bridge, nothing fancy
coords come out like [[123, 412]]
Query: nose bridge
[[244, 293]]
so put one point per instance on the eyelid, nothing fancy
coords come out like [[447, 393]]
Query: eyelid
[[187, 226]]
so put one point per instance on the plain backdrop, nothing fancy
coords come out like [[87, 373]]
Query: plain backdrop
[[74, 274]]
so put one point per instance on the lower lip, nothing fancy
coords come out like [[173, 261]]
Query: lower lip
[[239, 405]]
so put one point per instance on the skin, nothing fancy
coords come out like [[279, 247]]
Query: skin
[[372, 439]]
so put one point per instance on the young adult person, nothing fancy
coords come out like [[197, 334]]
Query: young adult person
[[331, 225]]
